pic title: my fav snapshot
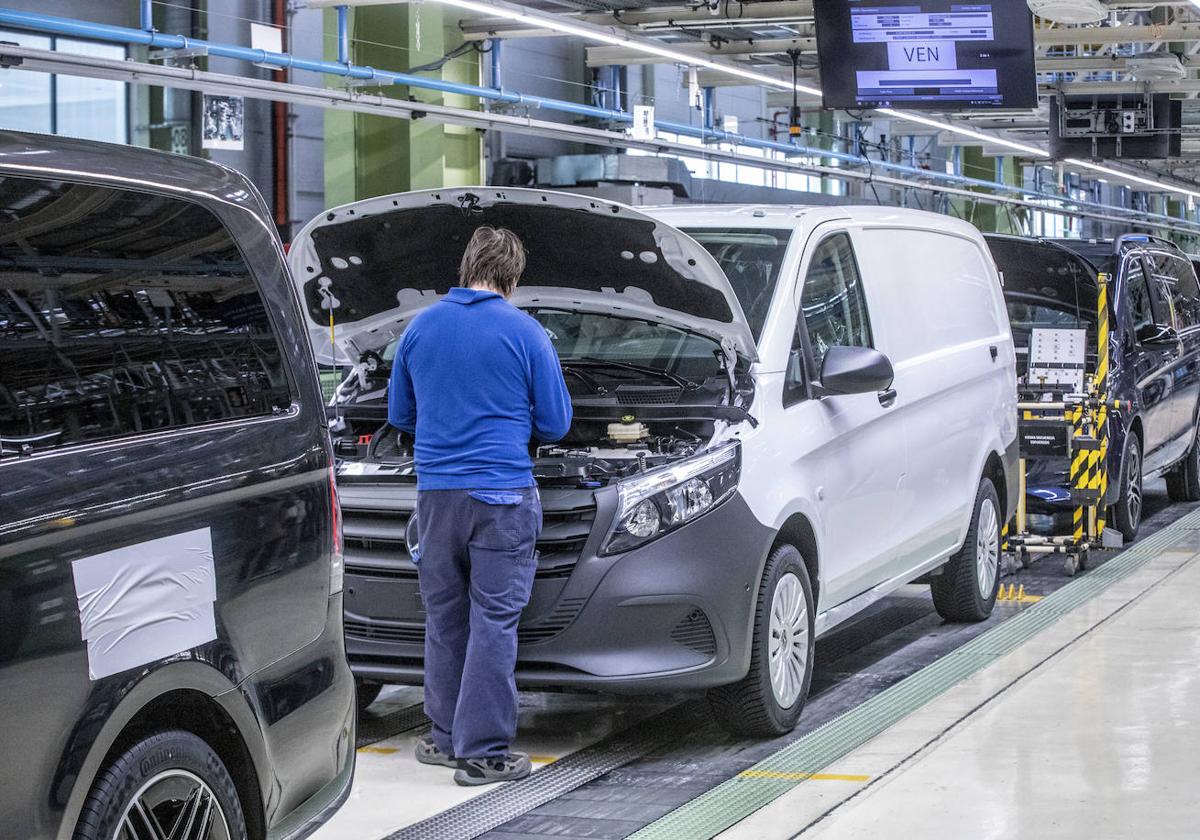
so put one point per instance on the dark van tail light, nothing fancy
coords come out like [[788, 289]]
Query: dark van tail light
[[337, 564]]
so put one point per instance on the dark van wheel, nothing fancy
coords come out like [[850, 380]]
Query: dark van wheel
[[966, 588], [366, 692], [167, 786], [768, 700], [1183, 482], [1126, 514]]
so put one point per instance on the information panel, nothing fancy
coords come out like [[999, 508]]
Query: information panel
[[931, 54]]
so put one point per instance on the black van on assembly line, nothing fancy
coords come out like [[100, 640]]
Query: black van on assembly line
[[1154, 361], [171, 647]]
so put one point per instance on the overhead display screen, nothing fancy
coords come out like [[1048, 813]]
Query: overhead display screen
[[930, 54]]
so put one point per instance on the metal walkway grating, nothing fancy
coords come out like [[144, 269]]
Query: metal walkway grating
[[733, 800], [507, 802]]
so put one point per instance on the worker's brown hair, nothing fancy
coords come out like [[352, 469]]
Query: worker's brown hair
[[495, 259]]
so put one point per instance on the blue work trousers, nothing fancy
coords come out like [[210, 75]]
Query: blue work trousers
[[476, 563]]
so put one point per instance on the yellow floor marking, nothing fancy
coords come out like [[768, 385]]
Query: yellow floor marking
[[816, 777], [543, 759]]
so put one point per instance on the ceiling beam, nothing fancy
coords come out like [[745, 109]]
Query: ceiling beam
[[1088, 35]]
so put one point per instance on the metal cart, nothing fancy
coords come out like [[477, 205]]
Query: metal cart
[[1069, 419]]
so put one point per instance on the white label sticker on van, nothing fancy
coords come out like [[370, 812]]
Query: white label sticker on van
[[146, 601]]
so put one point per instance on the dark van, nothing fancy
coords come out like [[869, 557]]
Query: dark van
[[1154, 357], [171, 652]]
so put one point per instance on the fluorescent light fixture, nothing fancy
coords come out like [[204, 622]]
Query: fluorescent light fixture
[[1157, 186], [540, 21]]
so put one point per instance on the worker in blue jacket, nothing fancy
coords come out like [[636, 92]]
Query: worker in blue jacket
[[474, 380]]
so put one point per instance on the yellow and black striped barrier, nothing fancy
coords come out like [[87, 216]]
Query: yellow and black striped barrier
[[1086, 418]]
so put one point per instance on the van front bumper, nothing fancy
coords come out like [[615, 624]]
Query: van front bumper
[[674, 614]]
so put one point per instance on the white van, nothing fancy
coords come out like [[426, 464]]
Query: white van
[[781, 415]]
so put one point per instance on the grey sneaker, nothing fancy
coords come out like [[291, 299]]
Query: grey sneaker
[[427, 752], [484, 771]]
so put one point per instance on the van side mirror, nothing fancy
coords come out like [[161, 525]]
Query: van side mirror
[[1156, 335], [855, 370]]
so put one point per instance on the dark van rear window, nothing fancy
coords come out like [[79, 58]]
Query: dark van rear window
[[124, 313], [1045, 287]]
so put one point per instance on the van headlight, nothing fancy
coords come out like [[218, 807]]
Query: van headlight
[[657, 502]]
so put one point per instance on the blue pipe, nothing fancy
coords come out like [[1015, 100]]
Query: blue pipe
[[343, 34], [147, 15], [125, 35], [495, 56]]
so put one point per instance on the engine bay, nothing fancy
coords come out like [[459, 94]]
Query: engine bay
[[627, 420]]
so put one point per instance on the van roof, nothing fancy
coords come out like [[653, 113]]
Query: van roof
[[797, 216], [132, 167], [1099, 253]]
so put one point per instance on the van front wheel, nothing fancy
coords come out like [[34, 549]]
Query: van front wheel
[[966, 588], [769, 699]]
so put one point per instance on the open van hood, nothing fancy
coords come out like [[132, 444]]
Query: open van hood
[[375, 263]]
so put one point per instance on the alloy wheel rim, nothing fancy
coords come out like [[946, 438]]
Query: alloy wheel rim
[[174, 805], [1133, 495], [788, 643], [987, 547]]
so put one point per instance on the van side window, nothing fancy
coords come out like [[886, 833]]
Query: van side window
[[124, 313], [1140, 302], [834, 309], [1180, 278]]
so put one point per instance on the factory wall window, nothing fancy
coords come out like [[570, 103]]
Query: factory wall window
[[124, 313], [1047, 222], [93, 109]]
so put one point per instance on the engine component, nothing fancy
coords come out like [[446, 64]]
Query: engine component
[[628, 432]]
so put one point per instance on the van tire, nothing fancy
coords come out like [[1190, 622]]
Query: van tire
[[959, 594], [173, 757], [1183, 482], [1126, 513], [749, 706], [365, 693]]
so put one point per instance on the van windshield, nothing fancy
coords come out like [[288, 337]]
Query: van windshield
[[593, 337], [750, 258]]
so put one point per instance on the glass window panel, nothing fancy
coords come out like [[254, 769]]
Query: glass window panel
[[94, 109], [834, 309], [25, 95]]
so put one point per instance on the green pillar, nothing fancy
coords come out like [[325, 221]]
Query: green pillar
[[991, 217], [368, 155]]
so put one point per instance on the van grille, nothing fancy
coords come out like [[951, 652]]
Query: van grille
[[375, 546], [562, 615], [386, 632]]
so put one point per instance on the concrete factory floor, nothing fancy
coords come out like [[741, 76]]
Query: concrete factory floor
[[1065, 716]]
